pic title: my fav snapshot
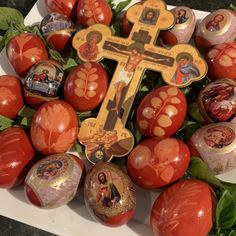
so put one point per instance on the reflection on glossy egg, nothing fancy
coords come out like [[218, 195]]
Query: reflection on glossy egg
[[109, 195]]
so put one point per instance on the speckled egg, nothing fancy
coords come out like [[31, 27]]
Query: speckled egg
[[54, 180]]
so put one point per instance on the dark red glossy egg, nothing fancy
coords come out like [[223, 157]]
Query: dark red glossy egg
[[65, 7], [54, 127], [184, 209], [11, 100], [24, 50], [162, 112], [155, 163], [16, 157], [86, 86], [221, 61], [90, 12]]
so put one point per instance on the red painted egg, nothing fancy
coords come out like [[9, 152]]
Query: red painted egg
[[216, 28], [24, 50], [217, 101], [183, 29], [155, 163], [54, 180], [90, 12], [184, 209], [57, 29], [221, 61], [16, 157], [11, 100], [162, 112], [109, 194], [54, 127], [86, 86], [65, 7]]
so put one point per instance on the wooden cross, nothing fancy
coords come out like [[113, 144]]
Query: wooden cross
[[106, 135]]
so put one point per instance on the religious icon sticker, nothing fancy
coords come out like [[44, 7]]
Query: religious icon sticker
[[53, 181], [109, 194], [217, 101], [44, 78], [179, 66], [216, 144]]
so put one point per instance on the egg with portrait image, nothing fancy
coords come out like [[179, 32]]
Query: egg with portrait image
[[54, 180], [217, 101], [216, 145], [109, 194]]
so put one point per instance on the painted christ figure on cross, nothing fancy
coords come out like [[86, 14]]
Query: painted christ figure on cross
[[135, 53]]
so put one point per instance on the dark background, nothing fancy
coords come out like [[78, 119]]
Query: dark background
[[12, 228]]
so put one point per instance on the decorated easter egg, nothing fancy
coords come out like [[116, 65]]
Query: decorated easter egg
[[155, 163], [11, 100], [183, 29], [16, 157], [216, 145], [86, 86], [54, 180], [54, 127], [43, 82], [24, 50], [217, 101], [216, 28], [162, 112], [57, 29], [186, 208], [221, 61], [65, 7], [109, 194], [90, 12]]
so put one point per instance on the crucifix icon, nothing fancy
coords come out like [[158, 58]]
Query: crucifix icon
[[106, 135]]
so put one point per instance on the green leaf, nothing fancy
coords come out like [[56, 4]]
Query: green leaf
[[9, 15], [77, 147], [232, 7], [225, 211], [5, 123], [70, 63], [232, 233], [193, 111], [56, 56], [26, 122], [122, 5], [198, 169], [26, 112]]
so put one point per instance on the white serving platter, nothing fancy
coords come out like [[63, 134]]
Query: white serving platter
[[72, 219]]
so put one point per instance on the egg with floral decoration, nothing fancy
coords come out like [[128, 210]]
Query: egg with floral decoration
[[109, 194], [43, 82], [54, 127], [221, 61], [155, 163], [90, 12], [217, 101], [216, 28], [54, 180], [162, 112], [86, 86], [216, 145], [183, 29], [57, 29]]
